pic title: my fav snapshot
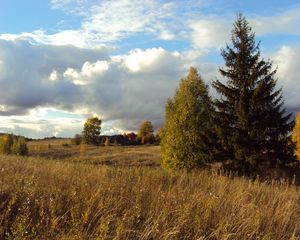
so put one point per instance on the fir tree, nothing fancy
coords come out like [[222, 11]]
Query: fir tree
[[250, 120], [186, 142]]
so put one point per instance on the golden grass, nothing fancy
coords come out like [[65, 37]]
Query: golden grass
[[121, 156], [51, 199]]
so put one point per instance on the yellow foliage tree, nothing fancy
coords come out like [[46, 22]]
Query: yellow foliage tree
[[6, 142], [145, 133], [296, 135]]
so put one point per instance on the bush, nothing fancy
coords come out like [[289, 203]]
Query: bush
[[19, 147]]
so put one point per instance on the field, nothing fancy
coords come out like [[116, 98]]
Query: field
[[119, 192]]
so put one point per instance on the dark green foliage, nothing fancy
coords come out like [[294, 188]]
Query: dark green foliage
[[187, 136], [250, 120], [91, 131]]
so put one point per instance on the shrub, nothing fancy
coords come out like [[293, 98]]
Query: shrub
[[19, 147]]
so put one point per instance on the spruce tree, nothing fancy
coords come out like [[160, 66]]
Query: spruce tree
[[251, 121], [186, 138]]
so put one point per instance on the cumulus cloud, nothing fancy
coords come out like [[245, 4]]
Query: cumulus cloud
[[125, 88], [289, 74], [130, 88], [29, 75]]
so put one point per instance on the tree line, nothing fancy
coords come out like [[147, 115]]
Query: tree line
[[92, 128]]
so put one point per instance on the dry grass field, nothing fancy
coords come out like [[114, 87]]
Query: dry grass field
[[118, 156], [121, 193]]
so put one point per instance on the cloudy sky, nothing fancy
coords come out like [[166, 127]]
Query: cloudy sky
[[62, 61]]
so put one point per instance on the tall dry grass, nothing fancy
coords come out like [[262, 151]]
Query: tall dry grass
[[48, 199]]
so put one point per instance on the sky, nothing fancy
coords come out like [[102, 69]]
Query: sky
[[62, 61]]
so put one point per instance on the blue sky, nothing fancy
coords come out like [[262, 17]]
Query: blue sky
[[65, 60]]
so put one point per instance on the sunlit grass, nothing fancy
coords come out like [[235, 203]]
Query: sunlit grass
[[51, 199]]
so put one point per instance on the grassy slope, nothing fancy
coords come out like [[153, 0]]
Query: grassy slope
[[79, 199]]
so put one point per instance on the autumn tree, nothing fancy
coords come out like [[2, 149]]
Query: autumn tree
[[186, 137], [296, 136], [145, 133], [91, 130], [6, 142], [251, 121]]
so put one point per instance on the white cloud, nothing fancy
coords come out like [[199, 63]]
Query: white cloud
[[53, 76], [105, 22], [36, 126], [166, 35], [210, 33], [112, 20], [88, 73], [289, 74], [126, 89], [139, 60]]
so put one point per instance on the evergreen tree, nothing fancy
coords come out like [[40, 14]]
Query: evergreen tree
[[250, 120], [186, 137]]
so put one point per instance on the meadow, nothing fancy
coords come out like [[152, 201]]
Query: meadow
[[118, 192]]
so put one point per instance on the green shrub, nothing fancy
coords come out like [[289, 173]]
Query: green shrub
[[19, 147]]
